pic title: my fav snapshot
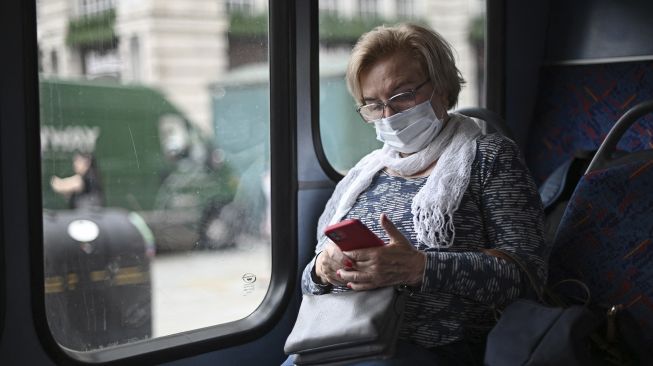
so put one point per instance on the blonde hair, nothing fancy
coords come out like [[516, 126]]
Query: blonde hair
[[433, 52]]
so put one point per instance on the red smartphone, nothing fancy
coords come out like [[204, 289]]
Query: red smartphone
[[352, 234]]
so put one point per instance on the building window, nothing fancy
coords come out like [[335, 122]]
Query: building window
[[406, 8], [90, 7], [368, 8], [54, 62], [135, 58], [329, 7], [240, 6]]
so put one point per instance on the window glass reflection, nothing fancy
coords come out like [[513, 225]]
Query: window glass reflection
[[155, 165]]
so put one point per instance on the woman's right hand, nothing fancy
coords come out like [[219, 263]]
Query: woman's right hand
[[329, 262]]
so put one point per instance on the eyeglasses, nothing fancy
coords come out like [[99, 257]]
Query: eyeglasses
[[398, 103]]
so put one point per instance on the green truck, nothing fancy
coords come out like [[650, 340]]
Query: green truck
[[151, 159]]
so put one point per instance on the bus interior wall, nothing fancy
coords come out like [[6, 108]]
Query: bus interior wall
[[564, 65], [572, 69]]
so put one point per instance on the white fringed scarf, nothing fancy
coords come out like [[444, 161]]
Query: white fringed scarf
[[435, 203]]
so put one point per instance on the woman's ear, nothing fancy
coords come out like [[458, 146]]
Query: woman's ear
[[443, 100], [440, 104]]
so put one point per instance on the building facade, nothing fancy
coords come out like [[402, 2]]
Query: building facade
[[181, 47], [175, 46]]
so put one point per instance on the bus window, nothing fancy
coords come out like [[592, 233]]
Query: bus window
[[156, 194], [345, 138]]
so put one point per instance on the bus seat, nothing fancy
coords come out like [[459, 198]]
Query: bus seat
[[494, 121], [576, 107], [605, 237]]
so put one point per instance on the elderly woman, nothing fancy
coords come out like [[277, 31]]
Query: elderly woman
[[439, 194]]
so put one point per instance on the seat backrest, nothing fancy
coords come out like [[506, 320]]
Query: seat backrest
[[578, 104], [605, 237], [495, 123]]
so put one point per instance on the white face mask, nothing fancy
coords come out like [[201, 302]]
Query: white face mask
[[411, 130]]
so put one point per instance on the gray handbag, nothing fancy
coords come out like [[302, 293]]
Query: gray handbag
[[347, 326]]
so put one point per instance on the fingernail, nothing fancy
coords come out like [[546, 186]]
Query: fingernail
[[338, 274], [349, 285], [348, 263]]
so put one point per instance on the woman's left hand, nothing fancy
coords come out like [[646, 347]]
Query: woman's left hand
[[397, 262]]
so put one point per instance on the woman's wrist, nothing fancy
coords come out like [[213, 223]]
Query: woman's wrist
[[319, 276], [419, 266]]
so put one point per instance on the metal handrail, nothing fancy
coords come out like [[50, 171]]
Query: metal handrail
[[604, 157]]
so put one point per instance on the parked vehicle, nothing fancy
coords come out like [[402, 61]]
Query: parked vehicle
[[150, 160]]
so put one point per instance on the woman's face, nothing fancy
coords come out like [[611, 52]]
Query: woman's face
[[398, 73]]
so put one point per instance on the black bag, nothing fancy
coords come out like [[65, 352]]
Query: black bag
[[531, 333], [347, 326]]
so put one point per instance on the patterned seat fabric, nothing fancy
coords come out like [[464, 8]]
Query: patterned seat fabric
[[606, 239], [577, 107]]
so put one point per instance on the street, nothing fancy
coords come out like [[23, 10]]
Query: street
[[197, 289]]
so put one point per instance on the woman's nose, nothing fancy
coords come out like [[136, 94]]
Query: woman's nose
[[388, 111]]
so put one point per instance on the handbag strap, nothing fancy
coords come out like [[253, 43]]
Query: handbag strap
[[543, 292], [586, 301], [539, 291]]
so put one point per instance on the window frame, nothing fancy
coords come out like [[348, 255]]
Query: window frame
[[495, 57], [281, 35], [314, 72], [3, 266]]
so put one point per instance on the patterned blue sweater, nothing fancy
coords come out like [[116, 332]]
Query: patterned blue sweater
[[461, 286]]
